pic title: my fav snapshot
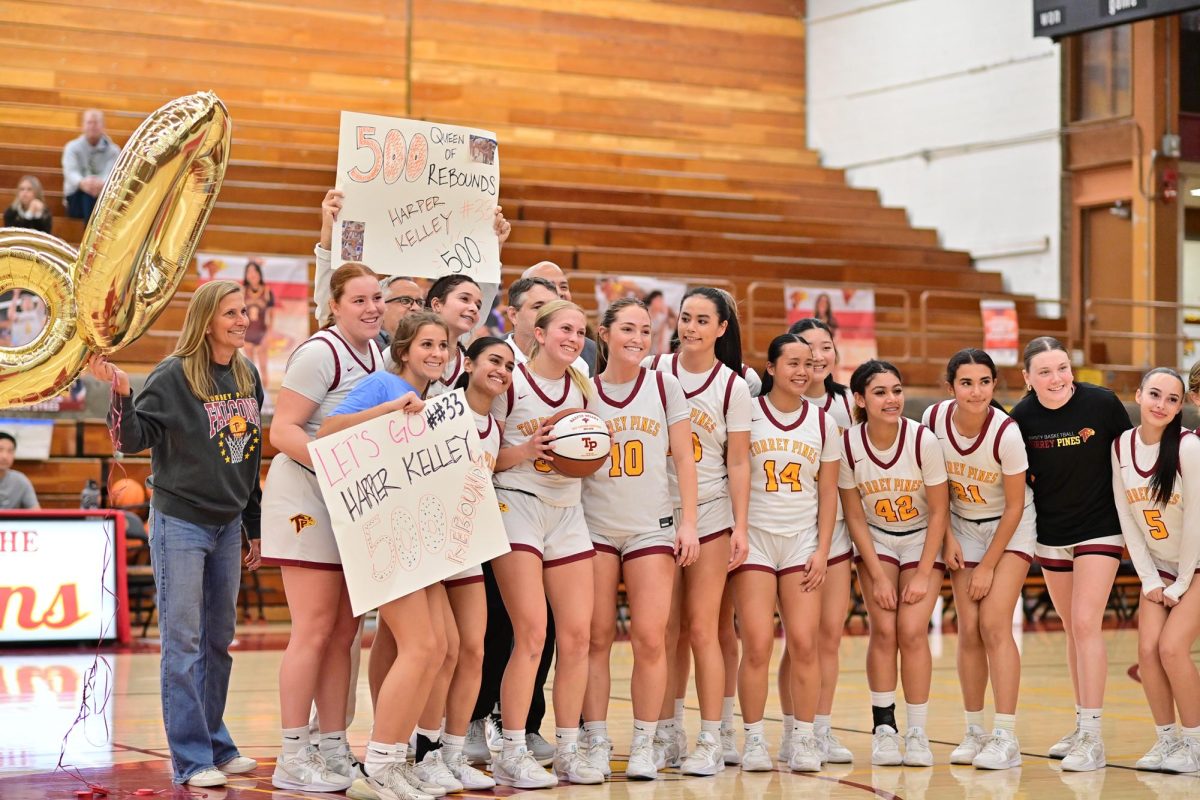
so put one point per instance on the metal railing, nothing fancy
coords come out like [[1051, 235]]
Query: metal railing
[[1149, 311], [929, 328]]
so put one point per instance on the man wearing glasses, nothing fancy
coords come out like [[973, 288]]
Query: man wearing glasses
[[401, 295]]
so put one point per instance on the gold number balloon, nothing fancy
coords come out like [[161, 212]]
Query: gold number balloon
[[135, 250]]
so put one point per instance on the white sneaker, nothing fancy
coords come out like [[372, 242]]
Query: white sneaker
[[971, 745], [681, 741], [1063, 746], [832, 750], [542, 750], [916, 749], [806, 754], [707, 758], [597, 749], [345, 764], [207, 778], [238, 766], [419, 782], [785, 748], [1184, 757], [1000, 751], [756, 757], [361, 790], [666, 751], [391, 783], [433, 771], [885, 747], [1086, 755], [307, 772], [572, 766], [522, 771], [471, 779], [642, 764], [493, 734], [476, 747], [729, 749], [1153, 760]]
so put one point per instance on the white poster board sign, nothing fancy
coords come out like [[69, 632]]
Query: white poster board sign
[[410, 498], [419, 198]]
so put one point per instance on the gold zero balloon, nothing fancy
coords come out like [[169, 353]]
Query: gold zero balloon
[[135, 250]]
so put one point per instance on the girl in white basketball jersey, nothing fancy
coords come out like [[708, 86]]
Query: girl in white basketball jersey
[[1156, 486], [993, 535], [794, 457], [836, 400], [419, 352], [629, 513], [298, 538], [707, 365], [893, 487], [550, 551], [457, 300]]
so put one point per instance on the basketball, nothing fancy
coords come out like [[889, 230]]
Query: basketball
[[125, 493], [579, 441]]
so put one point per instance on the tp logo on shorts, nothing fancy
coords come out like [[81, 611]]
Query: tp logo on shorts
[[302, 521]]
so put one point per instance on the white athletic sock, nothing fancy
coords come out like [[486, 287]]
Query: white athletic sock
[[916, 715], [753, 728], [1078, 712], [643, 728], [712, 726], [1192, 733], [822, 723], [564, 737], [512, 743], [974, 719], [379, 755], [727, 710], [294, 740], [883, 699], [1089, 719], [1005, 722], [802, 728], [679, 711], [788, 722], [598, 728], [452, 745], [666, 729], [1166, 730]]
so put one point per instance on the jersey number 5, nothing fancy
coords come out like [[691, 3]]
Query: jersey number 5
[[1158, 529], [901, 511]]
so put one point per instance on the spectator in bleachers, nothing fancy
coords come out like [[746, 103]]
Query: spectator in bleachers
[[15, 489], [86, 163], [29, 209]]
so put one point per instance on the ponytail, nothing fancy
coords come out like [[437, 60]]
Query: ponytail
[[728, 347]]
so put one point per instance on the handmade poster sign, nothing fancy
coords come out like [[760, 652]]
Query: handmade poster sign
[[419, 198], [411, 500]]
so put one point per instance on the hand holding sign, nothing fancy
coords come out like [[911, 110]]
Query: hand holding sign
[[420, 198]]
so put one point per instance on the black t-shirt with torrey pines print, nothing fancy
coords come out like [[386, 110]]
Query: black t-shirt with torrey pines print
[[1070, 466], [205, 454]]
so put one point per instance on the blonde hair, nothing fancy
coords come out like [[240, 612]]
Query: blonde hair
[[193, 349], [35, 184], [337, 285], [545, 315]]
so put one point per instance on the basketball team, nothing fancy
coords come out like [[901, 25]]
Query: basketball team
[[728, 498]]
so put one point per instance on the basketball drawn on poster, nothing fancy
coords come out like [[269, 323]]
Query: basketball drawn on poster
[[662, 299], [419, 197], [410, 498], [849, 313]]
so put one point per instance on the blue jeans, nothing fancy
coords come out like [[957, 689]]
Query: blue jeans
[[197, 570]]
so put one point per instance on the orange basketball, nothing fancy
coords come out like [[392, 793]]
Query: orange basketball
[[125, 493]]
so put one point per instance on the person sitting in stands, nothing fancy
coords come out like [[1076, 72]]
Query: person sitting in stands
[[86, 163], [15, 489], [29, 209]]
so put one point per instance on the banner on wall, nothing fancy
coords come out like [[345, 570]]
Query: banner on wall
[[419, 197], [410, 498], [850, 314], [662, 299], [1001, 333], [277, 300]]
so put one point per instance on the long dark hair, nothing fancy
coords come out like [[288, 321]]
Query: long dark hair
[[1162, 482], [728, 347], [606, 321], [475, 351], [971, 355], [862, 376], [1042, 344], [774, 352], [832, 387]]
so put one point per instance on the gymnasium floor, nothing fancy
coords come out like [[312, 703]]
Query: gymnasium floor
[[124, 749]]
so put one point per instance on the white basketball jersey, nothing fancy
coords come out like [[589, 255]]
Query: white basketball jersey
[[529, 402], [489, 437], [838, 406], [1161, 527], [720, 404], [454, 368], [325, 368], [786, 453], [631, 493], [976, 467], [892, 483]]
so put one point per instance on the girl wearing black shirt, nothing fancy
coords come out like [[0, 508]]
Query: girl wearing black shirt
[[1069, 429]]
